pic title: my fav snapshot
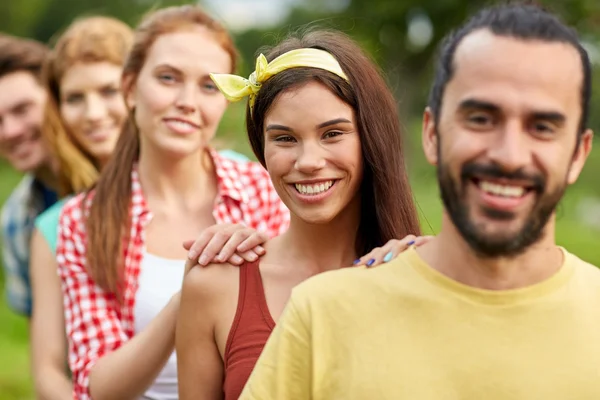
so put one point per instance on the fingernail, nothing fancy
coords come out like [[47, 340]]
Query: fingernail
[[411, 243], [236, 259], [388, 257], [370, 262], [356, 261], [192, 254], [203, 259], [252, 256]]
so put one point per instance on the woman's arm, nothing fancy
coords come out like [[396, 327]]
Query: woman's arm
[[105, 362], [128, 371], [199, 363], [47, 336]]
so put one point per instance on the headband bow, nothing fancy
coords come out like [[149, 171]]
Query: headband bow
[[235, 88]]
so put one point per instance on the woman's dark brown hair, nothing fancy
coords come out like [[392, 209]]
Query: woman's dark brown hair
[[387, 206], [109, 223]]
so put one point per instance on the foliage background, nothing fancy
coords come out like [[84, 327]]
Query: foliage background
[[400, 35]]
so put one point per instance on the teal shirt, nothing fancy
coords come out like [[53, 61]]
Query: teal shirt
[[47, 222]]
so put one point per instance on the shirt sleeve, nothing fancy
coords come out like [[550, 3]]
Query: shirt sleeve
[[92, 324], [16, 270], [284, 369], [47, 224]]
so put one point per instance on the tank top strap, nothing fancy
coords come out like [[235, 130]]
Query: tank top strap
[[252, 311]]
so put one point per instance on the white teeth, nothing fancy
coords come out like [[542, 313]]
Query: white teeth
[[182, 125], [313, 189], [502, 190]]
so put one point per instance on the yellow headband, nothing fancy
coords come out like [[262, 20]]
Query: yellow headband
[[235, 88]]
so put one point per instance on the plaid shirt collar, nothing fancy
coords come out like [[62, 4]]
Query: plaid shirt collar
[[229, 184]]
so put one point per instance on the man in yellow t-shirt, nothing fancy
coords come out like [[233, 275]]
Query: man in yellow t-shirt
[[491, 308]]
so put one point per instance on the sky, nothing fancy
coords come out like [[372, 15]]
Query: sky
[[240, 15]]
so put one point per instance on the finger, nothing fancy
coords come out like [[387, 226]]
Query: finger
[[372, 257], [422, 240], [235, 260], [187, 244], [229, 248], [253, 240], [249, 256], [376, 257], [408, 239], [393, 248], [213, 247], [259, 250], [200, 243], [358, 262]]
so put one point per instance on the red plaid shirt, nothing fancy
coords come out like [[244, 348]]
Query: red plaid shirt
[[95, 323]]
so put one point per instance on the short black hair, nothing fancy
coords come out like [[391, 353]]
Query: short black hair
[[518, 20]]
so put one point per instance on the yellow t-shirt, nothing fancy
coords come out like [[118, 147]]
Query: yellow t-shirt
[[404, 331]]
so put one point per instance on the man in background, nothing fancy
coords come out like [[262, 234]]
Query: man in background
[[22, 102]]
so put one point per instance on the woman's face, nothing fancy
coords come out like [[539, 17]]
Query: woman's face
[[177, 106], [92, 107], [313, 153]]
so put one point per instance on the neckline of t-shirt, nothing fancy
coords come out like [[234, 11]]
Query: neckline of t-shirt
[[493, 297]]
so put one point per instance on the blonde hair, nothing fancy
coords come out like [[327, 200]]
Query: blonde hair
[[87, 40]]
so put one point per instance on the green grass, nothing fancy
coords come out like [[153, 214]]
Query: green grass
[[15, 382]]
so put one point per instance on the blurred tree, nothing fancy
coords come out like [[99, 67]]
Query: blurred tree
[[402, 36], [42, 19]]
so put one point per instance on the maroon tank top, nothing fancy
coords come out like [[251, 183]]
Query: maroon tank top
[[249, 332]]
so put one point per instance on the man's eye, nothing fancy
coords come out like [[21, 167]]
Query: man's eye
[[479, 119]]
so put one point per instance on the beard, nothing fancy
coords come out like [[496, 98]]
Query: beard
[[495, 245]]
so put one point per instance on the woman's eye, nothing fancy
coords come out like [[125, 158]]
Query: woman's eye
[[210, 87], [166, 78], [284, 139], [331, 134], [74, 98]]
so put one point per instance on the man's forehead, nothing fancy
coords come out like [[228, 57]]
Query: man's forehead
[[492, 66], [482, 51], [19, 88]]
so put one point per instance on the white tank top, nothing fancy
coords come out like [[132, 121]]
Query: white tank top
[[160, 278]]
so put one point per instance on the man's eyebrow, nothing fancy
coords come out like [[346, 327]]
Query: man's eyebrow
[[552, 116], [472, 104]]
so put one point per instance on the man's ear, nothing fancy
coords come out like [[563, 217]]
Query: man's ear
[[580, 156], [429, 137]]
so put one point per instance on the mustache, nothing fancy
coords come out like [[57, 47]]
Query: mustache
[[470, 170]]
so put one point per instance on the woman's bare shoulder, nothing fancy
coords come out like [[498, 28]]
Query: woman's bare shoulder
[[211, 282]]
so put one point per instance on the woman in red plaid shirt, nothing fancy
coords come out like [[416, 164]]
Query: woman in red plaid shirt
[[119, 249]]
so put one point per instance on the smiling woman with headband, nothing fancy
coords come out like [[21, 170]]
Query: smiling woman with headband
[[322, 121]]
